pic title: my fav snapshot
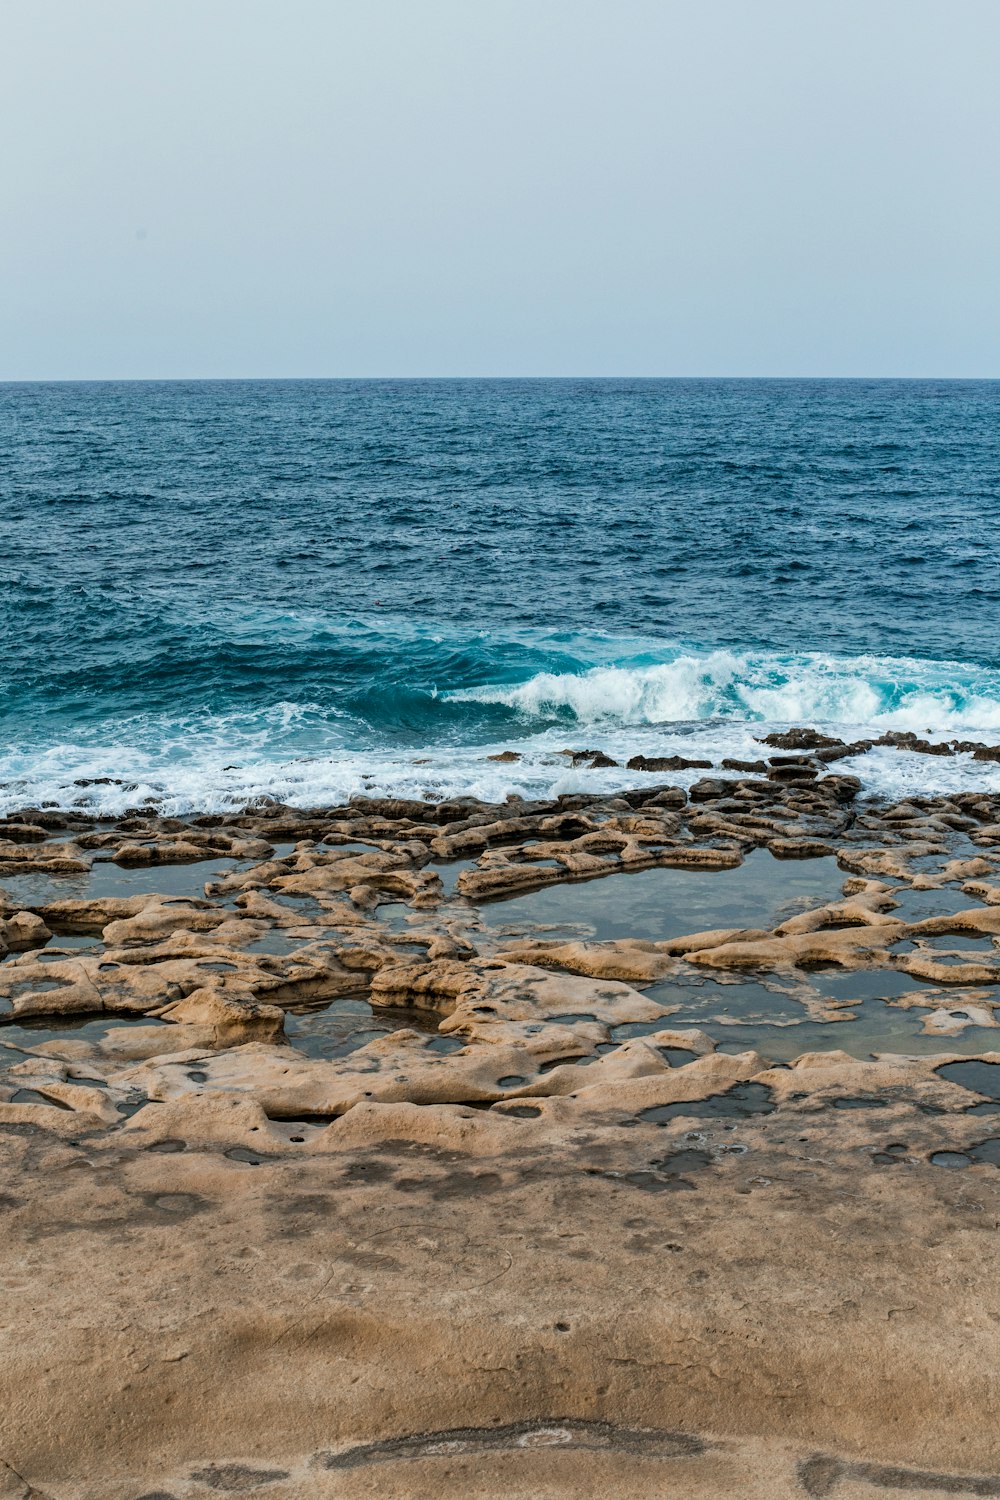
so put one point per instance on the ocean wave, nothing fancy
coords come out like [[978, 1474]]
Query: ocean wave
[[427, 741], [876, 692]]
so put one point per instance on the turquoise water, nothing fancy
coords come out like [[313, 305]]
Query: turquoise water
[[210, 591]]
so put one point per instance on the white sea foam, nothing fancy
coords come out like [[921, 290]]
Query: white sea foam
[[709, 706], [807, 688], [210, 782]]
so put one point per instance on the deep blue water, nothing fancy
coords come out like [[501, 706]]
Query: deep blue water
[[209, 590]]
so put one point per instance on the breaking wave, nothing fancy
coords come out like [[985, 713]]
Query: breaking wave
[[651, 700], [875, 692]]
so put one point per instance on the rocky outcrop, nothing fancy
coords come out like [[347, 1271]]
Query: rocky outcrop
[[532, 1229]]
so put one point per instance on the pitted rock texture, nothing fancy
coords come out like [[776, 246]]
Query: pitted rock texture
[[526, 1234]]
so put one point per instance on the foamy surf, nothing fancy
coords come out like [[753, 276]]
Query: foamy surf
[[870, 692], [108, 780], [625, 698]]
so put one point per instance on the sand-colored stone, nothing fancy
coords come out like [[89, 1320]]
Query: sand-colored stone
[[502, 1251], [330, 1313]]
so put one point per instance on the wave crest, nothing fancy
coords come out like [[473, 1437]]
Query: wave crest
[[810, 688]]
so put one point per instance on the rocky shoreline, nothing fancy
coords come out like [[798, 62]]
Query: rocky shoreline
[[322, 1178]]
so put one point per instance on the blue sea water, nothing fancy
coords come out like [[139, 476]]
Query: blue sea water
[[213, 590]]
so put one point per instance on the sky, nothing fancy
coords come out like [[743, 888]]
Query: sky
[[292, 188]]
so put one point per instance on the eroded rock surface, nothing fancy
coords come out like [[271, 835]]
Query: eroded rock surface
[[323, 1176]]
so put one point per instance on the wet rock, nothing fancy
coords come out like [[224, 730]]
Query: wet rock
[[800, 848], [801, 739], [842, 788], [667, 796], [40, 859], [709, 788], [843, 752], [22, 833], [666, 763], [792, 774], [907, 740]]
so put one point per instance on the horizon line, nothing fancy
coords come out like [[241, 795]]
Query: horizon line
[[470, 379]]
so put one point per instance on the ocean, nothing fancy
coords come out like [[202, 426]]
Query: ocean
[[216, 591]]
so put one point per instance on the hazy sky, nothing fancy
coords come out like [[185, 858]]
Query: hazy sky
[[462, 187]]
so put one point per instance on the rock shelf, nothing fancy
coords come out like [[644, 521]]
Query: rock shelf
[[515, 1224]]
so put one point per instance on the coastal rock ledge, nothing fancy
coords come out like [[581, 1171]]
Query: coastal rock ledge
[[327, 1171]]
